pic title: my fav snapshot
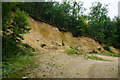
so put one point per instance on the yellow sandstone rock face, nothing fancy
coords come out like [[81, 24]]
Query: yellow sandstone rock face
[[43, 33]]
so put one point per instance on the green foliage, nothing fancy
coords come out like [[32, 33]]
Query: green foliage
[[100, 27], [97, 20], [99, 49], [25, 52], [43, 45], [95, 58], [13, 25], [106, 47], [95, 52], [28, 47], [110, 54], [70, 16], [71, 51], [63, 42], [16, 66], [7, 7], [71, 47], [116, 40]]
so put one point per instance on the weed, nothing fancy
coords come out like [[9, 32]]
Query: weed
[[95, 52], [71, 51], [16, 66], [110, 54], [71, 47], [63, 42], [28, 47], [61, 73], [106, 47], [43, 45], [99, 49], [95, 58]]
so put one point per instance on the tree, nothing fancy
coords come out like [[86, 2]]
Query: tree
[[67, 16], [97, 21], [116, 41], [14, 25]]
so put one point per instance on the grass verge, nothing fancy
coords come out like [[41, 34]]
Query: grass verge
[[17, 65], [95, 58], [110, 54]]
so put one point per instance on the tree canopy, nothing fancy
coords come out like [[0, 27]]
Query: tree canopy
[[13, 25]]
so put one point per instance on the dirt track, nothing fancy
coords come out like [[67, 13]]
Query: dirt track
[[56, 64]]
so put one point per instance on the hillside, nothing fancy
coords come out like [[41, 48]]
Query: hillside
[[52, 62], [43, 33], [47, 51]]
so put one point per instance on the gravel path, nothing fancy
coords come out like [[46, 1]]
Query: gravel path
[[56, 64]]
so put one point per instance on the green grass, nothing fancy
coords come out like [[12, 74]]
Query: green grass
[[110, 54], [71, 51], [17, 65], [95, 58]]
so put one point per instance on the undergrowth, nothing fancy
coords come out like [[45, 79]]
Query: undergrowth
[[110, 54], [107, 54], [71, 51], [74, 51], [43, 45], [94, 58], [16, 66], [97, 58]]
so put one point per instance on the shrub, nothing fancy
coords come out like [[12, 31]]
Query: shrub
[[63, 42], [106, 47], [28, 47], [94, 58], [71, 47], [43, 45], [16, 65], [99, 49], [95, 52], [28, 53], [71, 51]]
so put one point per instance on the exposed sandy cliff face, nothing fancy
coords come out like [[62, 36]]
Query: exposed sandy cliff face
[[42, 33]]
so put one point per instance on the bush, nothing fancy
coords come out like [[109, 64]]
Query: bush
[[99, 49], [71, 51], [25, 52], [43, 45], [16, 65], [63, 42], [106, 47], [71, 47], [95, 52], [28, 47]]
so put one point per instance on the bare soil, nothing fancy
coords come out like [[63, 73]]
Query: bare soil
[[57, 64]]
